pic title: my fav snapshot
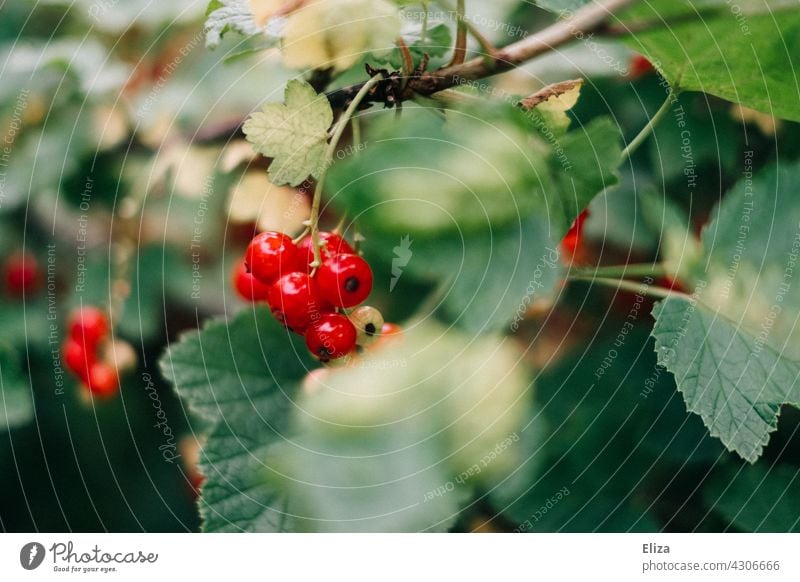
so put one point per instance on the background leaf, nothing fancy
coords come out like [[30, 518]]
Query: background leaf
[[16, 407]]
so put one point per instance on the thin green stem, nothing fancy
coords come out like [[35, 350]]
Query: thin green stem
[[355, 126], [648, 129], [460, 48], [635, 270], [621, 284], [341, 124], [424, 33]]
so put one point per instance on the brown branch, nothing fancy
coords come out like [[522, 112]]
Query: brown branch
[[583, 21]]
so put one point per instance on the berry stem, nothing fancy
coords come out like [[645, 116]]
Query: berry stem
[[341, 124], [621, 271], [648, 129], [460, 48], [622, 285]]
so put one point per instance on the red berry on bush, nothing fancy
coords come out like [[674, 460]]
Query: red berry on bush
[[333, 336], [88, 325], [103, 379], [345, 280], [248, 287], [639, 67], [331, 244], [77, 359], [271, 255], [295, 302], [22, 274], [572, 240]]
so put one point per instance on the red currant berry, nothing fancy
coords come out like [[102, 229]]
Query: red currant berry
[[77, 359], [271, 255], [333, 336], [345, 280], [248, 287], [22, 274], [88, 326], [103, 379], [295, 302], [572, 239], [639, 66], [331, 244]]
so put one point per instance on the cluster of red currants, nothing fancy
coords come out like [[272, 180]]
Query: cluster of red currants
[[83, 354], [313, 302]]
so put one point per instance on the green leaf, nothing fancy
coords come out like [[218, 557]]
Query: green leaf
[[509, 209], [226, 15], [584, 163], [680, 249], [242, 377], [16, 407], [294, 135], [735, 383], [491, 278], [611, 423], [736, 355], [744, 56], [438, 41], [400, 439], [478, 169], [756, 498]]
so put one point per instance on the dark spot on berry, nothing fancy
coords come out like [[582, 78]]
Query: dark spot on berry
[[352, 284], [246, 267], [324, 354], [370, 329]]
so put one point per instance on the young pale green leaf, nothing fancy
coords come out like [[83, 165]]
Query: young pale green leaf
[[757, 498], [338, 33], [736, 384], [743, 55], [16, 407], [293, 134], [226, 15], [242, 376]]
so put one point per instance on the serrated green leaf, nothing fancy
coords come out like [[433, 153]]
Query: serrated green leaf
[[16, 407], [736, 384], [242, 377], [735, 357], [293, 134], [742, 55], [757, 498]]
